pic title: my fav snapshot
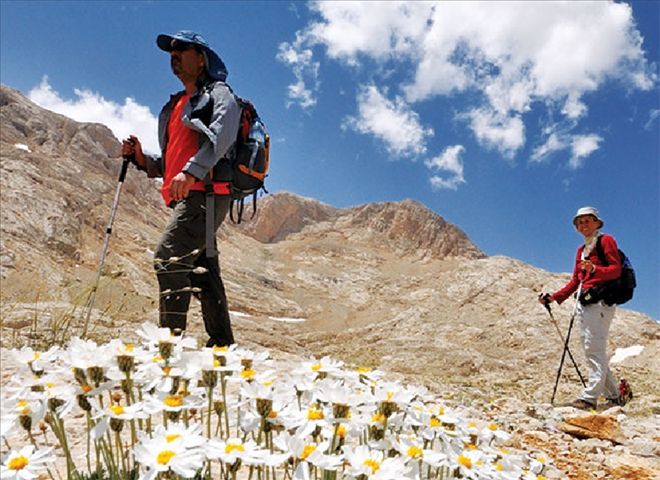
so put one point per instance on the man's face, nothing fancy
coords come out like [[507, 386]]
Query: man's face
[[186, 62]]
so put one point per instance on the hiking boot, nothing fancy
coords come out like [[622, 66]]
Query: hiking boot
[[625, 395], [611, 403], [625, 392], [581, 404]]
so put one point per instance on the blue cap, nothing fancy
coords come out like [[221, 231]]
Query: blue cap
[[214, 65]]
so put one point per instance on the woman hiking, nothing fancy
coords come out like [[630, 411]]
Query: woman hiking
[[594, 314]]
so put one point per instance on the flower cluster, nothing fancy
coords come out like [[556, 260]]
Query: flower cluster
[[164, 409]]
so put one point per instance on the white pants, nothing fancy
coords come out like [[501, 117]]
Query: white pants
[[595, 320]]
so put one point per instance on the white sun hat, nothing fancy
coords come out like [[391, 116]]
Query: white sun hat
[[588, 211]]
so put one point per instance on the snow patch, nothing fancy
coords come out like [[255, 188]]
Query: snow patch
[[22, 146], [288, 319], [622, 353]]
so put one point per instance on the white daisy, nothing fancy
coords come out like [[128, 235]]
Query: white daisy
[[25, 464], [159, 455]]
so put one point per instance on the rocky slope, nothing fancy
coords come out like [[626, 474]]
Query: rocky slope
[[389, 285]]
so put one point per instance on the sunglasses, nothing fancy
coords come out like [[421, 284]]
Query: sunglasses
[[178, 46]]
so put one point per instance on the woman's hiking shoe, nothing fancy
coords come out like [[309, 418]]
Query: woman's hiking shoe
[[625, 395], [581, 404], [625, 392]]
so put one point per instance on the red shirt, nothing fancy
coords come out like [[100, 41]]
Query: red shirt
[[602, 273], [182, 144]]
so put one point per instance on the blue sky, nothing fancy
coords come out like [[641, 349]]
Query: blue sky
[[503, 118]]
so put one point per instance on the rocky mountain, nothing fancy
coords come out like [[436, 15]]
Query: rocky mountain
[[389, 285]]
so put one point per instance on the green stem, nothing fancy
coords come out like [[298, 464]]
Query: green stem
[[210, 412]]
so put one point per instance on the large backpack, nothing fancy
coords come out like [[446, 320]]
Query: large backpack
[[246, 165], [621, 290], [249, 160]]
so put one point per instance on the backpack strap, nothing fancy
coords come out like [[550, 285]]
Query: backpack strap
[[210, 217], [600, 252]]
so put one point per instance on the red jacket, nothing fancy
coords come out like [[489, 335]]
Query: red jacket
[[602, 273]]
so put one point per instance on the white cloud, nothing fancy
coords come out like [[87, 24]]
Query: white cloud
[[391, 121], [130, 118], [448, 161], [305, 69], [574, 108], [503, 58], [554, 143], [495, 130], [654, 114], [380, 30], [581, 147]]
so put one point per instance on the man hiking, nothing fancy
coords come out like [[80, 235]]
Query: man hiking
[[196, 128], [594, 314]]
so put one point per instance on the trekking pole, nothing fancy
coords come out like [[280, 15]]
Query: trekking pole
[[568, 337], [104, 251], [546, 304]]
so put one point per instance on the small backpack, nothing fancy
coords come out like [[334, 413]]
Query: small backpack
[[621, 290]]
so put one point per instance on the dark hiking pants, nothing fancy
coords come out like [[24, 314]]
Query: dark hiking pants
[[182, 269]]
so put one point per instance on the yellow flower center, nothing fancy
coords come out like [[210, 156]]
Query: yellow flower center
[[166, 371], [117, 409], [390, 395], [217, 349], [470, 446], [378, 418], [540, 477], [465, 461], [363, 370], [441, 410], [415, 452], [307, 451], [472, 424], [341, 431], [248, 373], [164, 457], [435, 422], [18, 463], [50, 385], [492, 426], [86, 388], [314, 414], [230, 447], [499, 467], [36, 356], [272, 414], [23, 409], [316, 367], [171, 437], [372, 464], [129, 347], [216, 363], [173, 400], [157, 359]]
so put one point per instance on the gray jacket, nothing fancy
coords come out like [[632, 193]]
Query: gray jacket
[[213, 112]]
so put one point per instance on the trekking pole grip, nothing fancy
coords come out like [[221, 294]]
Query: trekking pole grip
[[124, 168]]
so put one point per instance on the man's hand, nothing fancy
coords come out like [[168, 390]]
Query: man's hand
[[132, 147], [180, 186]]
